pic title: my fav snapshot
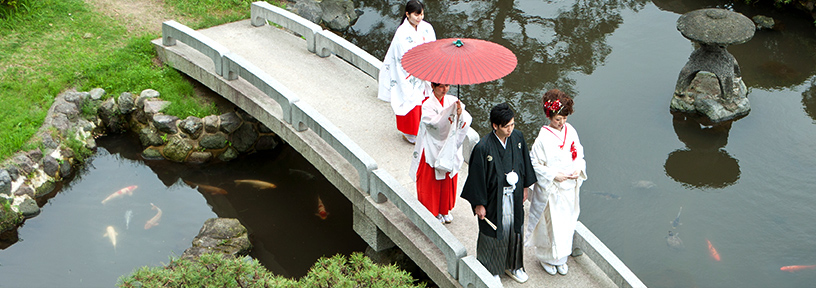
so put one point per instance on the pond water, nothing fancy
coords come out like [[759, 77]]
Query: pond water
[[747, 188], [64, 246]]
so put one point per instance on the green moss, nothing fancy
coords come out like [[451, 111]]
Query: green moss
[[8, 218]]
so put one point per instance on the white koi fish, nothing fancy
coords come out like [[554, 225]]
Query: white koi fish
[[127, 190], [128, 216], [155, 220], [111, 234]]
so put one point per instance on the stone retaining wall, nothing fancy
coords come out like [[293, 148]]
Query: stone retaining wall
[[75, 119]]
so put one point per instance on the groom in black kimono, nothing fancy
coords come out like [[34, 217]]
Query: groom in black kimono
[[499, 173]]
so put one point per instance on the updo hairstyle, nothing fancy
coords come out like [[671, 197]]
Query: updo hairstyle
[[551, 97]]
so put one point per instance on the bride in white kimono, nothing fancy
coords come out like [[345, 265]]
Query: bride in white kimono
[[558, 161], [406, 92]]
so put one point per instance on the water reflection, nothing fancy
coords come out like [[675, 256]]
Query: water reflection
[[704, 163], [551, 40], [809, 100], [772, 59], [287, 235], [66, 238]]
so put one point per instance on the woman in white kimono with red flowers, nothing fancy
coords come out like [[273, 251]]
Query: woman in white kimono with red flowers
[[558, 161]]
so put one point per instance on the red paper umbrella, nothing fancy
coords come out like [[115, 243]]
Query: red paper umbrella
[[459, 61]]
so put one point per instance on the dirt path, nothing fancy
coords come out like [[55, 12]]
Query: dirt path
[[138, 15], [141, 16]]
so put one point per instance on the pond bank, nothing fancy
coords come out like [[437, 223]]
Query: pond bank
[[76, 119]]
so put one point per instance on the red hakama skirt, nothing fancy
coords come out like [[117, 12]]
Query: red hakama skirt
[[409, 123], [438, 196]]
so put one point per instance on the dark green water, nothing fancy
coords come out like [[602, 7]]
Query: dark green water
[[64, 246], [748, 188]]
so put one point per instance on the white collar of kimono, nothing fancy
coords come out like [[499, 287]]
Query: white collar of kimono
[[504, 143]]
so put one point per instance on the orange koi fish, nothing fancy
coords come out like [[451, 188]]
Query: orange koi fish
[[207, 188], [127, 190], [712, 251], [155, 220], [321, 210], [257, 184], [797, 267]]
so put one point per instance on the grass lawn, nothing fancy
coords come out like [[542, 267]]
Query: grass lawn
[[49, 46]]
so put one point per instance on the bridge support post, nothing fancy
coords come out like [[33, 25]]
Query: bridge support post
[[367, 230]]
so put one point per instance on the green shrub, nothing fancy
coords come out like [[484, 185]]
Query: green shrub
[[213, 270]]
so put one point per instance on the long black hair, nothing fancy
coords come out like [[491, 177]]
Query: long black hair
[[413, 6]]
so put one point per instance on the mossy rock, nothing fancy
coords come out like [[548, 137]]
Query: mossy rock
[[8, 218], [44, 189]]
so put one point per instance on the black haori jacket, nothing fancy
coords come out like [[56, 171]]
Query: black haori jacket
[[489, 163]]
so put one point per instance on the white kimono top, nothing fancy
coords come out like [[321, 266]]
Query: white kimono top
[[440, 137], [555, 151], [395, 84]]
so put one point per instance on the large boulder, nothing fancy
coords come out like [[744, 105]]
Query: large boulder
[[704, 95], [111, 118], [177, 149], [127, 103], [5, 182], [213, 141], [309, 10], [165, 123], [149, 136], [28, 208], [97, 93], [192, 126], [210, 123], [222, 235], [230, 122], [243, 138], [50, 166], [338, 15]]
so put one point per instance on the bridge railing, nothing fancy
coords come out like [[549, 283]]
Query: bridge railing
[[302, 116], [172, 31], [384, 186], [261, 11], [305, 116], [326, 43], [235, 66], [607, 261], [377, 182]]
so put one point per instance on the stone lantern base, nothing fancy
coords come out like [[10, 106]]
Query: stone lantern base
[[704, 95]]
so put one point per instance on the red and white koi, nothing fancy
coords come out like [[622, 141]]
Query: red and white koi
[[321, 209], [127, 190]]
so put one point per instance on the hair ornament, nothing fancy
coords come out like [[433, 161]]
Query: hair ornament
[[553, 107]]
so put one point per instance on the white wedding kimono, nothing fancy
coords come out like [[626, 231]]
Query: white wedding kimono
[[395, 84], [554, 206], [440, 137]]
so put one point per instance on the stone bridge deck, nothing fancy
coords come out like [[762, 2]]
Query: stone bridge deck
[[345, 96]]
